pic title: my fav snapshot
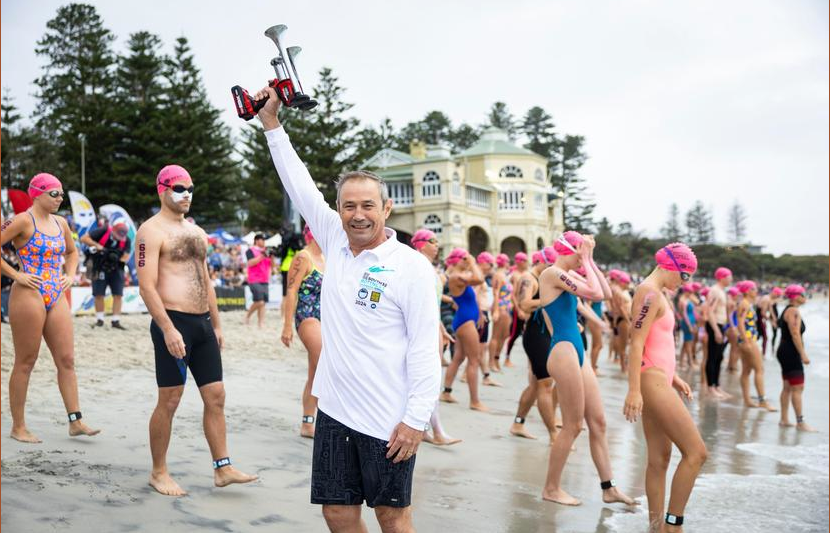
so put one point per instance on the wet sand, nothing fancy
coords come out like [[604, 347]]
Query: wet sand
[[759, 477]]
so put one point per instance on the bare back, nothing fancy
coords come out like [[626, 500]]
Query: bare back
[[718, 306]]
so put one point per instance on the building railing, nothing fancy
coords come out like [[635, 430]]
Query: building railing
[[477, 198], [401, 193]]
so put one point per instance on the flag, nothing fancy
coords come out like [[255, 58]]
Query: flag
[[20, 200], [116, 213], [83, 213]]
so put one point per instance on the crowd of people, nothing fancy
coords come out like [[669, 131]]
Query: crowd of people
[[379, 319]]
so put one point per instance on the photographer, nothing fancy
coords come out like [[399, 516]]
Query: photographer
[[259, 273], [111, 248]]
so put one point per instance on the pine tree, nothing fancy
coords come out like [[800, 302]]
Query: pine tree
[[539, 128], [699, 226], [195, 137], [323, 137], [139, 151], [10, 161], [577, 203], [671, 231], [261, 184], [736, 227], [463, 137], [500, 117], [75, 96], [369, 140]]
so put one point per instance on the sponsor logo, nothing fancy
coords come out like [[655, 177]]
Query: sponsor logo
[[375, 296], [363, 293], [376, 269]]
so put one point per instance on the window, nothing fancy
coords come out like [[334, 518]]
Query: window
[[539, 175], [478, 198], [456, 184], [510, 171], [433, 223], [402, 193], [539, 203], [431, 186], [511, 201]]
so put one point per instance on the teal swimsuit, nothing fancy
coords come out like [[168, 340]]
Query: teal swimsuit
[[562, 315]]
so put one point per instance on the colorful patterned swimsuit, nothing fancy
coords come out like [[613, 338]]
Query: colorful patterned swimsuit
[[308, 297], [41, 256], [504, 296]]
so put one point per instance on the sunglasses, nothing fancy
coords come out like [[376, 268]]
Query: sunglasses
[[431, 241], [684, 276], [56, 194], [181, 188]]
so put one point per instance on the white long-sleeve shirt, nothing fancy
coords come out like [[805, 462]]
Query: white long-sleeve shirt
[[379, 363]]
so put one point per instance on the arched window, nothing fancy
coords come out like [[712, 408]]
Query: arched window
[[433, 223], [510, 171], [456, 184], [431, 185], [539, 175]]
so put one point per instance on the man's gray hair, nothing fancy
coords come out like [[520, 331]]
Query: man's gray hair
[[366, 175]]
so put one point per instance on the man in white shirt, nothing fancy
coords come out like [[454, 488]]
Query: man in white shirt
[[377, 380]]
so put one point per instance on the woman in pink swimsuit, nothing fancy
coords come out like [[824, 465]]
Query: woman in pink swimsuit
[[651, 377], [38, 308]]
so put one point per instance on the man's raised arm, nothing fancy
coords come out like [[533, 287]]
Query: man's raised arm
[[323, 221]]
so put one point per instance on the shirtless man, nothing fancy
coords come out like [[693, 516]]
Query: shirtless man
[[621, 310], [175, 285], [716, 324], [519, 316]]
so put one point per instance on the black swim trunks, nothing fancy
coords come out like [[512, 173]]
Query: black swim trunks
[[349, 467], [484, 330], [201, 351]]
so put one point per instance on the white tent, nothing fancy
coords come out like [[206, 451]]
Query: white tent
[[274, 241], [249, 238]]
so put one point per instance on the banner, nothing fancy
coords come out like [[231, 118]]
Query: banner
[[20, 200], [116, 213], [230, 298], [83, 302], [82, 212]]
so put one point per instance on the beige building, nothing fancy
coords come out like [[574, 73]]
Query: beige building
[[493, 196]]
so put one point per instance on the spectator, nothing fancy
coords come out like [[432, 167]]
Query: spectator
[[259, 273], [111, 250]]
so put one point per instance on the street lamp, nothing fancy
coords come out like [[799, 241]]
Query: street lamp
[[82, 138]]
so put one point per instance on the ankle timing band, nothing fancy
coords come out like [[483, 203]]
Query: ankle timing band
[[75, 416], [605, 485], [448, 389], [519, 420], [219, 463], [799, 418], [674, 520]]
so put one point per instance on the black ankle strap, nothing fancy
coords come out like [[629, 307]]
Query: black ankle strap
[[219, 463], [674, 520], [448, 389], [605, 485], [308, 419], [519, 420], [75, 416]]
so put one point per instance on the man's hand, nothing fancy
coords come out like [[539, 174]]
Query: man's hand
[[175, 343], [219, 337], [268, 113], [403, 443]]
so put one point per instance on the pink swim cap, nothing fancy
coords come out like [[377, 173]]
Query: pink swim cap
[[169, 176], [793, 291], [307, 235], [722, 272], [704, 291], [733, 291], [676, 257], [549, 255], [537, 258], [568, 243], [777, 291], [624, 278], [485, 257], [502, 260], [520, 257], [421, 237], [695, 286], [746, 285], [456, 255], [686, 287], [41, 183]]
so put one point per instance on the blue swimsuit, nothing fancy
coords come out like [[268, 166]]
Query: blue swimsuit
[[562, 315], [467, 308]]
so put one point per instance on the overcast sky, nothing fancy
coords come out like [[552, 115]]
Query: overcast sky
[[678, 101]]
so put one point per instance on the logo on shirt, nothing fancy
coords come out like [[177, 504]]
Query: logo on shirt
[[362, 294], [375, 296], [381, 268], [372, 287]]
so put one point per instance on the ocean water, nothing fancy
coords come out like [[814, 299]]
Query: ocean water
[[759, 477]]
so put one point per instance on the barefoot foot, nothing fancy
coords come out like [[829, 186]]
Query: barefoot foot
[[519, 430], [222, 477], [440, 440], [801, 426], [508, 364], [78, 428], [164, 484], [490, 382], [750, 403], [786, 424], [560, 497], [768, 407], [478, 406], [447, 397], [24, 435], [614, 495]]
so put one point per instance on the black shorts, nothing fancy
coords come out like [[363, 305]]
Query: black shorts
[[114, 280], [201, 351], [484, 330], [259, 291], [284, 278], [349, 467]]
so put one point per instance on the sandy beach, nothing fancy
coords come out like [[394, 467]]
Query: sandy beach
[[759, 477]]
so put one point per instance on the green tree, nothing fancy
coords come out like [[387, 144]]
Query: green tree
[[24, 150], [261, 185], [500, 117], [323, 138], [539, 129], [566, 159], [370, 140], [609, 250], [463, 137], [75, 96], [671, 230], [195, 137], [699, 226], [140, 149]]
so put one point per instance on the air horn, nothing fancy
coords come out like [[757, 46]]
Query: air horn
[[287, 83]]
